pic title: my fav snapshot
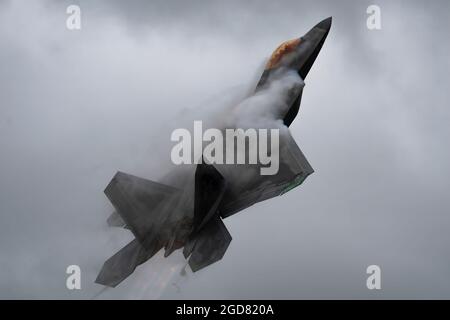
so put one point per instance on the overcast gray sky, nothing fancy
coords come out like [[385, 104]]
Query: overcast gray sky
[[76, 106]]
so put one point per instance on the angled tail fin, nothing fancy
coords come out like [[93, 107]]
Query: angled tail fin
[[210, 238]]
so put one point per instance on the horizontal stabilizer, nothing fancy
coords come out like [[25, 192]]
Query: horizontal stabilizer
[[209, 245], [124, 262]]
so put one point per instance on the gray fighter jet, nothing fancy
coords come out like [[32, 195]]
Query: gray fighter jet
[[186, 210]]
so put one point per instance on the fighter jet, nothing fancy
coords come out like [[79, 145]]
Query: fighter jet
[[187, 211]]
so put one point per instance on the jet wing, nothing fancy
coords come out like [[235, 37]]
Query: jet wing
[[143, 205], [293, 170]]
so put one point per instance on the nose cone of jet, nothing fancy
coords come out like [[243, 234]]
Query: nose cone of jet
[[325, 24], [310, 45], [298, 54]]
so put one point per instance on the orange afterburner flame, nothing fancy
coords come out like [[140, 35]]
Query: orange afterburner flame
[[284, 48]]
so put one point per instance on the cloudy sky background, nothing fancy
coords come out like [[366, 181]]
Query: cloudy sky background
[[76, 106]]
